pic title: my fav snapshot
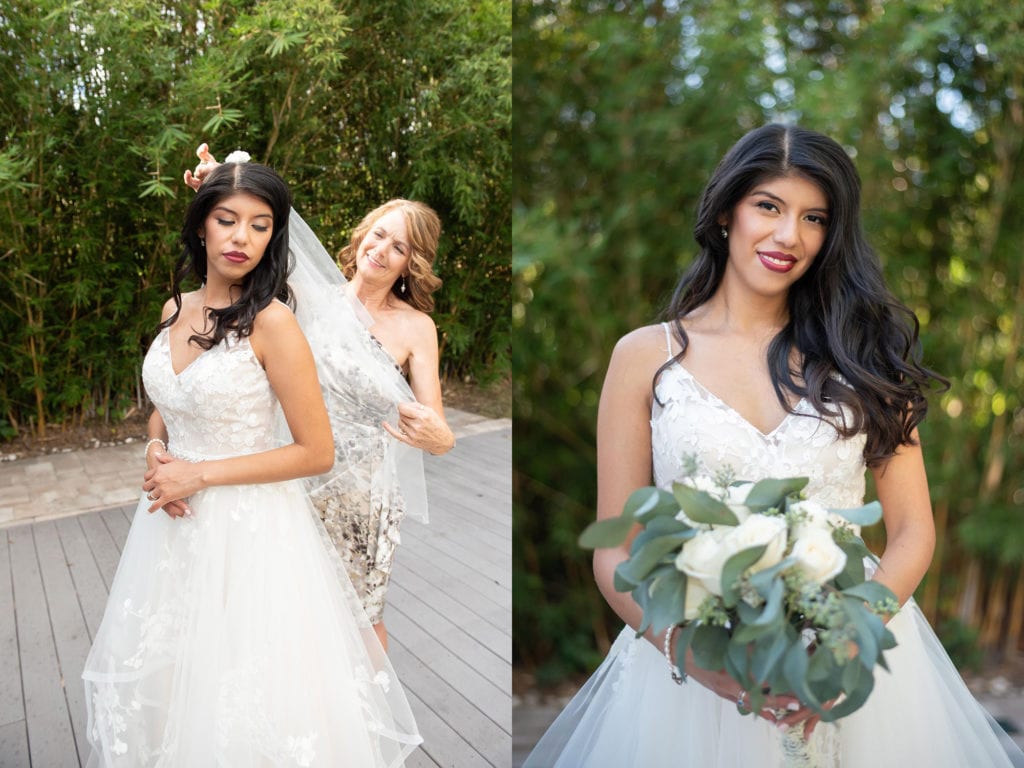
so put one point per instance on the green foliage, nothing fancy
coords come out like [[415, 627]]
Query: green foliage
[[104, 105], [623, 110]]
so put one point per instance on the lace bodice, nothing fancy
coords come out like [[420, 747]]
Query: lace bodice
[[690, 420], [221, 405]]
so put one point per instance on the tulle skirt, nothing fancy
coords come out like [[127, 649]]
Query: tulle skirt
[[234, 638], [630, 713]]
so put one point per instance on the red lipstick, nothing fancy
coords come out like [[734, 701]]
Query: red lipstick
[[776, 261]]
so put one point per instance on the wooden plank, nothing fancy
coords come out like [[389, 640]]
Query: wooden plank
[[484, 695], [419, 759], [496, 641], [491, 740], [89, 585], [462, 548], [452, 561], [105, 551], [50, 738], [437, 571], [117, 524], [12, 704], [484, 530], [71, 636], [453, 637], [441, 743], [14, 745]]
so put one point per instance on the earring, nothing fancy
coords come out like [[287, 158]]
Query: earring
[[202, 241], [725, 233], [402, 286]]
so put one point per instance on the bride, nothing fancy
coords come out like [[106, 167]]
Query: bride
[[231, 636], [784, 355]]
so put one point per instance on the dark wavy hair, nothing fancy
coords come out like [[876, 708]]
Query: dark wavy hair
[[267, 280], [842, 318]]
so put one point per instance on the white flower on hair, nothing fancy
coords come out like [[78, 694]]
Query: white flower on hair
[[238, 156]]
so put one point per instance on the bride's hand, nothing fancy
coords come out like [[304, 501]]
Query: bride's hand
[[171, 480], [207, 163], [777, 710], [178, 508]]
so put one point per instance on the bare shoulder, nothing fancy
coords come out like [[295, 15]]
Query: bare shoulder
[[415, 318], [415, 326], [190, 301], [636, 359], [276, 317], [645, 348], [169, 309]]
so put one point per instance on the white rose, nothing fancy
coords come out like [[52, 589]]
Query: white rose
[[757, 531], [695, 595], [703, 483], [702, 557], [735, 498], [815, 517], [818, 556]]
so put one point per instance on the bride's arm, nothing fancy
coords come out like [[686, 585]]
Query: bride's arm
[[285, 355], [902, 487]]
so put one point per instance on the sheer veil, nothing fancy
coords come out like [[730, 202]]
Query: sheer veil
[[354, 370]]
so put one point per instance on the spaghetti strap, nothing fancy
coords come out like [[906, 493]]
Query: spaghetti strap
[[668, 340]]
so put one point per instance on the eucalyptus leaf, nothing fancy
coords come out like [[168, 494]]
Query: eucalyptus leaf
[[649, 502], [795, 667], [708, 646], [609, 532], [870, 592], [622, 580], [702, 508], [643, 562], [869, 514], [768, 654], [667, 605], [771, 491], [733, 569], [854, 700], [762, 580], [853, 572], [683, 638]]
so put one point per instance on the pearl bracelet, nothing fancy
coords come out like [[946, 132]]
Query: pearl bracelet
[[672, 668], [145, 451]]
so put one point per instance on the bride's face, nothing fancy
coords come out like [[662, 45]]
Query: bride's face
[[775, 233], [237, 231], [384, 253]]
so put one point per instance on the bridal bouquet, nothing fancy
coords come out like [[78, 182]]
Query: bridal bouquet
[[765, 584]]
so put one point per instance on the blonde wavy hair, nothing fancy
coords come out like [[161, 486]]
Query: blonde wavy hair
[[424, 230]]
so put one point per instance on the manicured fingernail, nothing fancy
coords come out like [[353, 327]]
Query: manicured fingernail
[[793, 706]]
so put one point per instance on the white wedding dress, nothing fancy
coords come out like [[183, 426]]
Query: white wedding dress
[[233, 638], [631, 714]]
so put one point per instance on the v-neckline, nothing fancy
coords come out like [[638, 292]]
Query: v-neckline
[[736, 413], [170, 356]]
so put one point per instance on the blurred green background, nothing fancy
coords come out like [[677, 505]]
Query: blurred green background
[[352, 102], [621, 111]]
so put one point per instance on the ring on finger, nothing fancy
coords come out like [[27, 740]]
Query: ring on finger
[[150, 496], [741, 706]]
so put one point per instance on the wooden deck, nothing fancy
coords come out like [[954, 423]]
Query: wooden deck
[[449, 618]]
